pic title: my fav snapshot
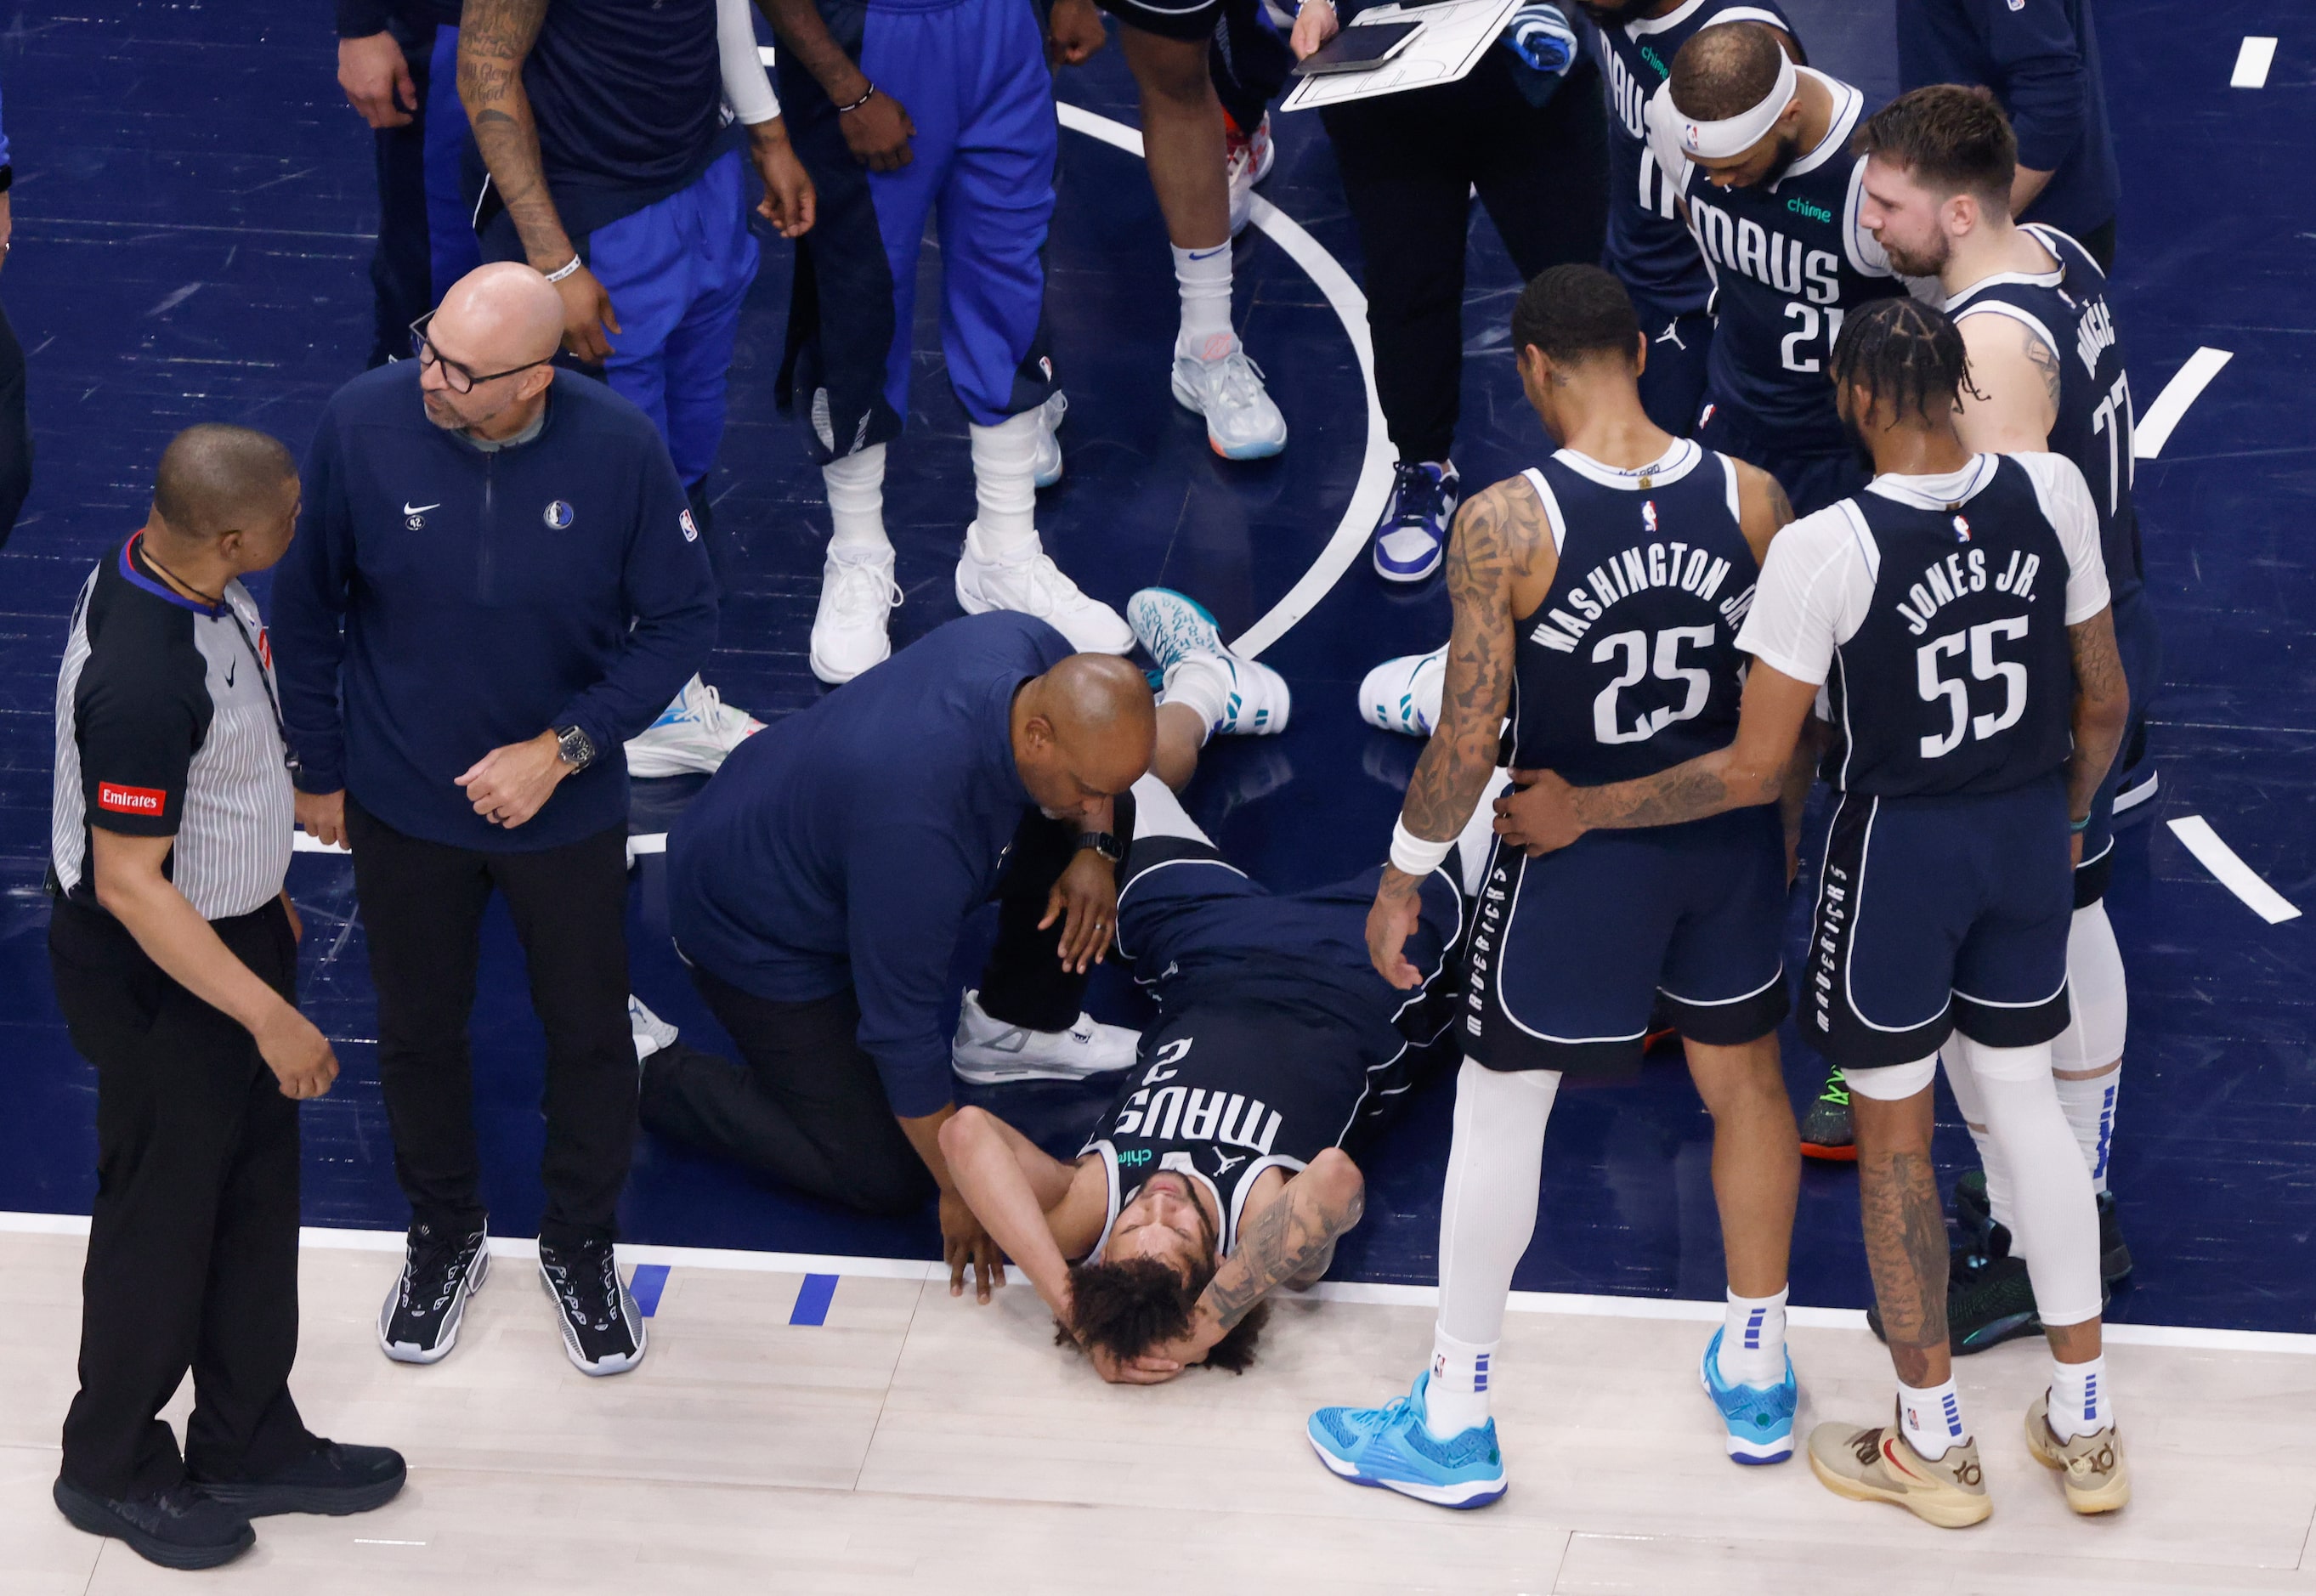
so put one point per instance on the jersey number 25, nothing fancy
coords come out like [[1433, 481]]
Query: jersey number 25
[[1608, 725]]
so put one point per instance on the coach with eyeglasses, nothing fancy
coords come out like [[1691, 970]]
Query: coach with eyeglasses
[[496, 584]]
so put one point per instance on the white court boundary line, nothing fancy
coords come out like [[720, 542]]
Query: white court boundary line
[[2230, 871], [2253, 59], [327, 1239], [1350, 308], [2153, 431]]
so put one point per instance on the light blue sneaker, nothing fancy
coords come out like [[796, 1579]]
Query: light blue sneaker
[[1171, 624], [1759, 1417], [1179, 634], [1389, 1447]]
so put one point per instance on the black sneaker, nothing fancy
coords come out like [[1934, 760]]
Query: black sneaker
[[440, 1270], [1989, 1299], [332, 1479], [602, 1330], [182, 1526], [1827, 1130], [1973, 1219]]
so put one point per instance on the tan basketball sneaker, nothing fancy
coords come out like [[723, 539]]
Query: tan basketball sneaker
[[1878, 1465], [2097, 1479]]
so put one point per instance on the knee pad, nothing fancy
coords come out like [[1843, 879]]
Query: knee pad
[[2096, 996], [1893, 1083]]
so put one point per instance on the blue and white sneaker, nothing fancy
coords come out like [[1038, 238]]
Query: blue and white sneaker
[[1244, 697], [1389, 1447], [1402, 695], [692, 734], [1413, 535], [1759, 1417]]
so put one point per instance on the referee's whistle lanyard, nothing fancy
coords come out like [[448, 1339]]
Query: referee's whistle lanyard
[[224, 606]]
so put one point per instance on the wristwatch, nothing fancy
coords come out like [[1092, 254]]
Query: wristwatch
[[1103, 844], [576, 747]]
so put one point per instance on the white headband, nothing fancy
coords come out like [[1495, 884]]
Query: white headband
[[1732, 135]]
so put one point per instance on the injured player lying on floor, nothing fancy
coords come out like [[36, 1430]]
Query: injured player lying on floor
[[1219, 1172]]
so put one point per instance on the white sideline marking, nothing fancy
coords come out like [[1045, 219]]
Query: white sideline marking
[[2232, 872], [911, 1269], [2154, 430], [2252, 62], [1350, 308]]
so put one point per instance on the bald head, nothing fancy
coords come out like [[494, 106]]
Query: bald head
[[216, 479], [1725, 71], [498, 316], [1082, 732]]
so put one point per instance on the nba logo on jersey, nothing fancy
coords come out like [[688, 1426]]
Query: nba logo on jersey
[[1649, 515], [1961, 528]]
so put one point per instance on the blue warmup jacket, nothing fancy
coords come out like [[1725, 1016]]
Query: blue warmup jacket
[[846, 845], [456, 601], [2041, 61]]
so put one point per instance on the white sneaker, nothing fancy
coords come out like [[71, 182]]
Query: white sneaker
[[1227, 388], [693, 734], [858, 596], [1032, 584], [1248, 158], [1241, 696], [648, 1031], [1049, 447], [1402, 694], [989, 1052]]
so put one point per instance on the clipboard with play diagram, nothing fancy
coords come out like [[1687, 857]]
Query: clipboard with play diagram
[[1448, 40]]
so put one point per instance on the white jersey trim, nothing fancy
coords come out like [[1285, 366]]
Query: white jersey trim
[[1669, 466], [2031, 322], [1550, 507]]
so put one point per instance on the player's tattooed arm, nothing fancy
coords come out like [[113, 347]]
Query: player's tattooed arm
[[1762, 508], [1285, 1241], [1906, 1253], [2011, 396], [494, 36], [2045, 364], [2101, 710], [799, 27]]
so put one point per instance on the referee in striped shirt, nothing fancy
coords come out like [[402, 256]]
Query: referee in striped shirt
[[174, 950]]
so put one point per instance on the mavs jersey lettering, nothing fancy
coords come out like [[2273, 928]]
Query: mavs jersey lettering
[[1959, 679], [1630, 663], [1648, 247], [1789, 263], [2067, 309]]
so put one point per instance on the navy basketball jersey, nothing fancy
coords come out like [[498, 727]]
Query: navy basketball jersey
[[1959, 679], [1789, 263], [2067, 309], [1648, 247], [1630, 663]]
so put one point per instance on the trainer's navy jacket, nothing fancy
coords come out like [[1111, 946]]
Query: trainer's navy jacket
[[846, 845], [2041, 61], [442, 600]]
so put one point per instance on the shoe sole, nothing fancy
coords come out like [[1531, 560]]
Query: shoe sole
[[90, 1519], [1388, 575], [982, 1074], [405, 1352], [1262, 449], [1844, 1154], [1436, 1496], [1742, 1452], [259, 1502], [830, 677], [1930, 1510], [608, 1366], [2106, 1499]]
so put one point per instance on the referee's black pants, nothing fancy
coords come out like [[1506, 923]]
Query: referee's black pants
[[192, 1244], [1408, 164], [805, 1106], [421, 911]]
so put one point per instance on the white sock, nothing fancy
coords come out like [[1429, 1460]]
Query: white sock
[[2079, 1404], [1487, 1215], [856, 501], [1456, 1399], [1198, 681], [1203, 278], [1753, 1339], [1005, 484], [2092, 1043], [2057, 1217], [1931, 1418], [1989, 1150]]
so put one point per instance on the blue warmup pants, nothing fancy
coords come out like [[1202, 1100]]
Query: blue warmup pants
[[452, 248], [972, 76], [677, 272]]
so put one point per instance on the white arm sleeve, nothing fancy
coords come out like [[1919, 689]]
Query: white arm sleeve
[[2066, 501], [746, 90], [1816, 586]]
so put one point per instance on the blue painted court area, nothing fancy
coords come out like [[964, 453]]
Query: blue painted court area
[[192, 208]]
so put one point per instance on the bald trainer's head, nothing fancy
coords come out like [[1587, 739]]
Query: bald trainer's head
[[502, 322], [225, 501], [1082, 732]]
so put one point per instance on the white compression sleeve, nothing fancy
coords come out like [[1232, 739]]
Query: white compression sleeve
[[1989, 1150], [2057, 1220], [2091, 1048], [1487, 1212], [746, 89]]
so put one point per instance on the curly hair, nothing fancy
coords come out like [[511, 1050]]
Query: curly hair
[[1128, 1307], [1904, 352]]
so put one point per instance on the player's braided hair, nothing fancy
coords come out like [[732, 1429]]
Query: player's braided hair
[[1908, 353]]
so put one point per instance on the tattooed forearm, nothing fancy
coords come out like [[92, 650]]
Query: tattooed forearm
[[1279, 1245], [2101, 711], [1906, 1250], [1497, 536], [494, 36], [798, 25]]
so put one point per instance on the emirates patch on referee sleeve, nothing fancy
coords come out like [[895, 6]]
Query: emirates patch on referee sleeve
[[131, 800]]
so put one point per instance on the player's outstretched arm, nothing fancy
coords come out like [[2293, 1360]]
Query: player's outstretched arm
[[2010, 398], [1009, 1184], [1275, 1243], [2101, 712]]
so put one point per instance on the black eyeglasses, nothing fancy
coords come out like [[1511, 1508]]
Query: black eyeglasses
[[462, 379]]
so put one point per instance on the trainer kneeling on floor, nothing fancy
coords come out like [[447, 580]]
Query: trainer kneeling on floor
[[818, 883], [502, 581], [175, 953]]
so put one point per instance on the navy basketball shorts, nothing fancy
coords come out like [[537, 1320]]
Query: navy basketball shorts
[[2141, 648], [1680, 346], [1938, 914], [1572, 951], [1188, 20]]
